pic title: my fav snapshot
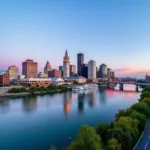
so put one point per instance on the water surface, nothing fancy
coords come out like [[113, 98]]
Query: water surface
[[35, 122]]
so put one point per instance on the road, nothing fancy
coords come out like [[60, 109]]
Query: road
[[144, 143]]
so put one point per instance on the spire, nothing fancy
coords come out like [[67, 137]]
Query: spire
[[66, 54]]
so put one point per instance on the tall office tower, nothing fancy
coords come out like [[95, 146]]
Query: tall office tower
[[103, 70], [29, 68], [72, 69], [66, 65], [108, 72], [47, 68], [80, 62], [13, 72], [91, 69], [85, 70]]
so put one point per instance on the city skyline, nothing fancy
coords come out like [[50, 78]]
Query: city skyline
[[111, 32]]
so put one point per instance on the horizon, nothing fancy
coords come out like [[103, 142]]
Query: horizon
[[111, 32]]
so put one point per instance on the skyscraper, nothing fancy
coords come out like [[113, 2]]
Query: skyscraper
[[29, 68], [108, 72], [91, 69], [13, 72], [85, 70], [47, 68], [72, 69], [66, 65], [103, 70], [80, 62]]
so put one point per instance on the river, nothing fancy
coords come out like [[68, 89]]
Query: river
[[35, 122]]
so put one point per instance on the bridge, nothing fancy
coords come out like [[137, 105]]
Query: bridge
[[122, 83]]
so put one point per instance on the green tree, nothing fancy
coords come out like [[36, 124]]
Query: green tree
[[145, 94], [146, 100], [140, 117], [87, 139], [142, 108], [113, 145], [101, 129], [130, 129]]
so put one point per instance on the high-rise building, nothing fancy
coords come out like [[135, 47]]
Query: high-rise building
[[112, 74], [47, 68], [60, 68], [13, 72], [72, 69], [103, 70], [91, 69], [66, 65], [85, 70], [109, 72], [29, 68], [80, 62]]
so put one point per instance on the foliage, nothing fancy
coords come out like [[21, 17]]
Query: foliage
[[101, 130], [113, 145], [146, 100], [142, 108], [87, 139], [145, 94], [39, 89], [75, 82]]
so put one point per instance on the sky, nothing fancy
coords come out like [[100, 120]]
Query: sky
[[114, 32]]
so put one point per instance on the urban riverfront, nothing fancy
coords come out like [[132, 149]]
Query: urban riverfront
[[35, 122]]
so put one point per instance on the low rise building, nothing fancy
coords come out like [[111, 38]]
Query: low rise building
[[57, 81], [31, 82], [55, 74], [78, 79], [4, 80]]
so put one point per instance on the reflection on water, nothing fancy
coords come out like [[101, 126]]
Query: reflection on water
[[46, 123], [30, 103]]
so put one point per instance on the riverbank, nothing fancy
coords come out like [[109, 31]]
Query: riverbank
[[18, 92], [26, 94]]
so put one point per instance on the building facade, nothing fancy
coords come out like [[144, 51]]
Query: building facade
[[78, 79], [72, 69], [80, 62], [109, 72], [66, 65], [103, 70], [42, 75], [29, 68], [13, 72], [47, 68], [31, 82], [112, 74], [55, 74], [4, 80], [147, 79], [85, 70], [91, 69]]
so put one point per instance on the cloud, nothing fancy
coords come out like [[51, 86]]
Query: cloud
[[125, 69]]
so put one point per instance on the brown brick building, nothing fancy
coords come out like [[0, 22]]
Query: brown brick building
[[4, 80], [72, 69], [54, 73], [29, 68]]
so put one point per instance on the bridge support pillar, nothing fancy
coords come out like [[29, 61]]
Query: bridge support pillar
[[121, 87]]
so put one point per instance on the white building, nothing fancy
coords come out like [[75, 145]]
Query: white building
[[91, 69], [57, 81], [42, 75], [66, 65]]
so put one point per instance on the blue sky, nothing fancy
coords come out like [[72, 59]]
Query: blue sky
[[115, 32]]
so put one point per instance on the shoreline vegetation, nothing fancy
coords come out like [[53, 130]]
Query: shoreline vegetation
[[16, 92], [121, 134]]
